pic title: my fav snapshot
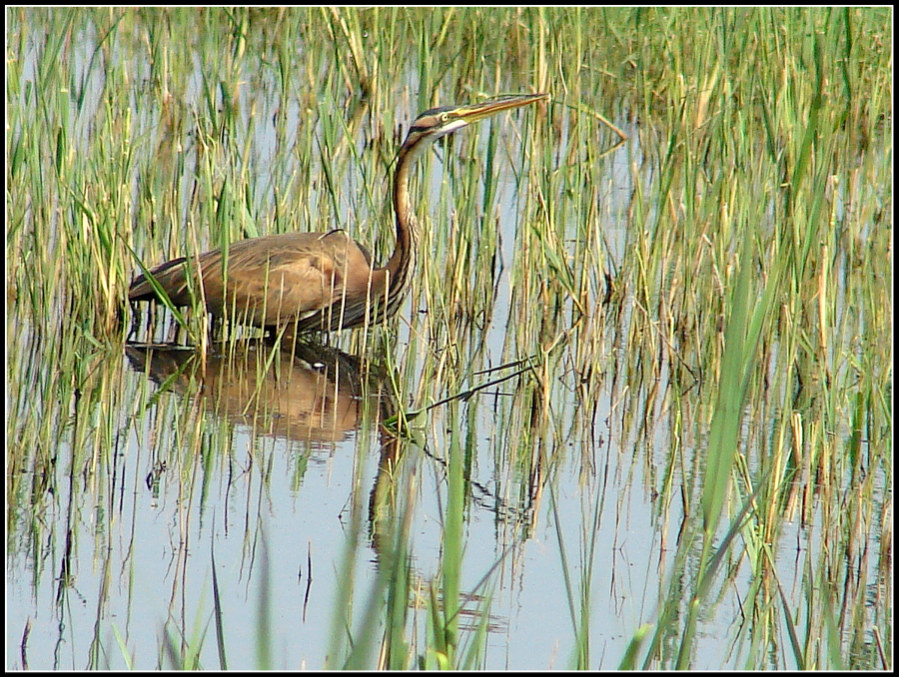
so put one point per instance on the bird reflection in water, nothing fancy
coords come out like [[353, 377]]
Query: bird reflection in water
[[310, 394]]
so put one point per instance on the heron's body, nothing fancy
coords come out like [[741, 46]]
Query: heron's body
[[315, 281], [296, 278]]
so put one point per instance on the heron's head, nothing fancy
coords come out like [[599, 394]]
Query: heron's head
[[438, 122]]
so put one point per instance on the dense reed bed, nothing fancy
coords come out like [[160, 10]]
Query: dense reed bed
[[636, 413]]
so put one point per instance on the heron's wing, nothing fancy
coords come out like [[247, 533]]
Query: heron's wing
[[268, 281]]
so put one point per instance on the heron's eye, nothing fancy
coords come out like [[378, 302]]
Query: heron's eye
[[444, 117]]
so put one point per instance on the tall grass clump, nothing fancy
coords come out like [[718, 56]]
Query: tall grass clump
[[770, 232]]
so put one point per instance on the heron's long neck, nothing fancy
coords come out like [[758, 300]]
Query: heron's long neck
[[401, 262]]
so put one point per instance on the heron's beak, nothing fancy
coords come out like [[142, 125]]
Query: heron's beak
[[479, 111]]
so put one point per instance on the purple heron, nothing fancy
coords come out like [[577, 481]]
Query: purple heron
[[316, 281]]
